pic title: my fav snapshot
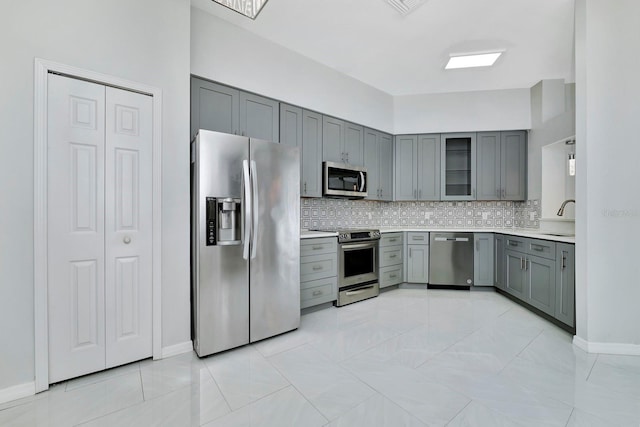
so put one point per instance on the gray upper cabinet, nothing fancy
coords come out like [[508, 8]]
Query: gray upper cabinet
[[513, 161], [259, 117], [354, 144], [291, 125], [429, 167], [457, 167], [311, 177], [488, 166], [224, 109], [565, 283], [342, 142], [333, 140], [406, 181], [303, 129], [417, 167], [378, 159], [214, 107], [483, 265], [501, 165]]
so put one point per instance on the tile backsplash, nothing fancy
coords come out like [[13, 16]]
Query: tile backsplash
[[339, 213]]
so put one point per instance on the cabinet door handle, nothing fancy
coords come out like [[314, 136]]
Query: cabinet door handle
[[525, 264], [317, 293], [498, 193], [420, 193], [409, 252], [305, 187], [393, 276], [564, 260], [473, 192], [393, 256], [392, 240], [317, 267], [512, 243], [504, 193], [537, 248], [415, 194], [521, 261], [478, 245], [316, 248]]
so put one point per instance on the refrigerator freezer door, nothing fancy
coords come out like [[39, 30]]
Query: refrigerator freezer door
[[221, 275], [275, 270]]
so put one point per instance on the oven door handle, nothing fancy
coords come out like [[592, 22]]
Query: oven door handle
[[358, 245], [358, 291]]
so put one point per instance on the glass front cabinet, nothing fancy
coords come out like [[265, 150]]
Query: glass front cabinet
[[458, 163]]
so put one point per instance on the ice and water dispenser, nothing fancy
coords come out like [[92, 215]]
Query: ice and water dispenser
[[224, 221]]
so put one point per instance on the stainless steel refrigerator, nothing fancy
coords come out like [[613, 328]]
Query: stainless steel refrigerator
[[245, 241]]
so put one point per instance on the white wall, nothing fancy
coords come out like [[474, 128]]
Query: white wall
[[145, 41], [231, 55], [608, 206], [463, 111], [552, 119]]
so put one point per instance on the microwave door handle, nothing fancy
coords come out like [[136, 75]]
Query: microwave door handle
[[362, 181]]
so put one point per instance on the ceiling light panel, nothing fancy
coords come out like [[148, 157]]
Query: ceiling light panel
[[476, 60], [405, 6], [248, 8]]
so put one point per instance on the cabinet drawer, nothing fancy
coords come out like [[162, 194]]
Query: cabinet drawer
[[318, 292], [515, 243], [417, 238], [390, 275], [323, 245], [542, 248], [318, 266], [390, 255], [391, 239]]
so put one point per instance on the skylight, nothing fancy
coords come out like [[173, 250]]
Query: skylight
[[475, 60], [248, 8]]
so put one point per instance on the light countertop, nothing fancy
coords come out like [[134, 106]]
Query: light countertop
[[522, 232]]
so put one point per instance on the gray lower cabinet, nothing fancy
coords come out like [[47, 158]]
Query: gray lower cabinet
[[530, 272], [378, 159], [390, 259], [225, 109], [501, 172], [418, 257], [303, 129], [417, 164], [318, 271], [565, 283], [483, 265], [498, 271]]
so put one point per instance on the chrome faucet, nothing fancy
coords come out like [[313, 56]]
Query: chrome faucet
[[561, 210]]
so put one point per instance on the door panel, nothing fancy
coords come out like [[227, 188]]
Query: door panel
[[406, 165], [371, 162], [488, 170], [274, 280], [333, 140], [128, 219], [259, 117], [515, 280], [542, 284], [429, 167], [385, 159], [514, 165], [75, 211], [311, 155], [354, 144], [214, 107]]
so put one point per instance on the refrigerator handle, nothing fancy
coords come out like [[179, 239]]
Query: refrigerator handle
[[247, 209], [256, 209]]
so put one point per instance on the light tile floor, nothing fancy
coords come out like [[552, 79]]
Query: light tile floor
[[410, 357]]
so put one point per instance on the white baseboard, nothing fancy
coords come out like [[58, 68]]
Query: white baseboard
[[606, 348], [174, 350], [17, 392]]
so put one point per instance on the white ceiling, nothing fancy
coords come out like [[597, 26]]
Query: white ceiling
[[403, 55]]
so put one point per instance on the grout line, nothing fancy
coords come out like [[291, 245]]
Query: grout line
[[570, 415], [459, 412], [218, 386], [141, 384], [592, 366]]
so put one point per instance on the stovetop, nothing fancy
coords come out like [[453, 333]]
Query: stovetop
[[352, 234]]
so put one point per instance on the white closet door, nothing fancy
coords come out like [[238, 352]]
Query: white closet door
[[128, 221], [75, 197]]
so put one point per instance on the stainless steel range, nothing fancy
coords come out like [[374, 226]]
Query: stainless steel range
[[357, 265]]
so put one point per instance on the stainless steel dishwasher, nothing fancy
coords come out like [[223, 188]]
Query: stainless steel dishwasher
[[451, 259]]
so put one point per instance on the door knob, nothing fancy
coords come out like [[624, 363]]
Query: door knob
[[126, 240]]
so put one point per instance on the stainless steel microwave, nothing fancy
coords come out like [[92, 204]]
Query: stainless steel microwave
[[344, 180]]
